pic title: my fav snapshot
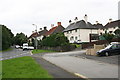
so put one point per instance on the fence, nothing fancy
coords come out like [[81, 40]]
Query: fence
[[100, 42], [59, 48]]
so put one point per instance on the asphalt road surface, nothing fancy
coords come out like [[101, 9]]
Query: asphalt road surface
[[82, 66], [14, 54]]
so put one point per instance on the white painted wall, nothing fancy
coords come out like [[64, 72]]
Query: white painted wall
[[81, 34], [40, 37]]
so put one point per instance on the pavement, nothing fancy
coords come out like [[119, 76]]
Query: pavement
[[82, 66], [53, 69]]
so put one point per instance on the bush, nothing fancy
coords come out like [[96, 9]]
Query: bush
[[54, 40]]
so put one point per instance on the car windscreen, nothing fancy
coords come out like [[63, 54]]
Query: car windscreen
[[109, 46]]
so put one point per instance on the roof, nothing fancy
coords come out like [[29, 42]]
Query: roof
[[51, 31], [80, 25], [113, 24], [34, 35], [100, 26], [55, 29], [43, 32]]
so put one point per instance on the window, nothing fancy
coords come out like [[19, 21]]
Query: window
[[76, 30], [72, 38], [67, 32], [76, 38], [94, 36]]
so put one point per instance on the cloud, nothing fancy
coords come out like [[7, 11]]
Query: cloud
[[19, 15]]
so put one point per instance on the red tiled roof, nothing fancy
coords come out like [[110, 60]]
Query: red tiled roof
[[34, 35], [51, 31]]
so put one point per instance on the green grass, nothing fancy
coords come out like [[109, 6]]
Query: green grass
[[23, 67], [36, 51], [77, 45]]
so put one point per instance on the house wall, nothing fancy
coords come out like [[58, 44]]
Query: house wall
[[40, 37], [108, 29], [81, 35]]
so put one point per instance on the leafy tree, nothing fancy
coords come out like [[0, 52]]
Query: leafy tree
[[20, 38], [54, 40], [108, 36], [117, 33], [7, 37]]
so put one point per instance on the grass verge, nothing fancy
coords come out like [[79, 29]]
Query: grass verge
[[36, 51], [23, 67]]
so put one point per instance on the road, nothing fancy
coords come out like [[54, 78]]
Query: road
[[83, 66], [14, 54]]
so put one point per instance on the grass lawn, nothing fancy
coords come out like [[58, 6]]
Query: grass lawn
[[35, 51], [23, 67]]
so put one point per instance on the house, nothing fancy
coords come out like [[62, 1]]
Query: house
[[32, 37], [56, 29], [42, 33], [99, 26], [111, 26], [39, 35], [81, 31]]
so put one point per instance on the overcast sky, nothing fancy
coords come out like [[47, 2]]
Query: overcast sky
[[19, 15]]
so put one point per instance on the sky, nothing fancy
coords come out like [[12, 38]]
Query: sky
[[19, 15]]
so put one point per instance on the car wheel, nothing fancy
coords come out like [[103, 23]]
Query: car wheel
[[106, 53]]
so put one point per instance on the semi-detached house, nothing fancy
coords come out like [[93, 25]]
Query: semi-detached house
[[82, 31]]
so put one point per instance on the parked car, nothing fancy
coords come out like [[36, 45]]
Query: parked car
[[26, 47], [111, 49], [17, 46]]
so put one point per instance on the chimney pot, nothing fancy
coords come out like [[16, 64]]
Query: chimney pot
[[59, 23], [70, 21], [86, 17], [32, 32], [97, 22], [76, 19], [45, 28], [110, 20], [40, 29]]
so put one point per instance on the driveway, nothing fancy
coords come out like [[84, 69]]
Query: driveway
[[85, 67]]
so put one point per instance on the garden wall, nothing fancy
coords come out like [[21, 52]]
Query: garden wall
[[59, 48]]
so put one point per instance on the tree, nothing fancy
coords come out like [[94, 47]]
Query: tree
[[20, 38], [7, 37], [117, 33], [54, 40], [108, 36]]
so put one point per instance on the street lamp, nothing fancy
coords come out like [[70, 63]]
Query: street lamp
[[35, 36]]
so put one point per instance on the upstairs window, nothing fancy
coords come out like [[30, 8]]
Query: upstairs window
[[76, 30]]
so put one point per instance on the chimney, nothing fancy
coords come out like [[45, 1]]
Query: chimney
[[52, 25], [97, 22], [32, 32], [86, 17], [45, 28], [59, 23], [40, 29], [76, 19], [70, 21], [110, 20]]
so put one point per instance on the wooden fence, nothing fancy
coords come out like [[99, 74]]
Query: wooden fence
[[100, 42]]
